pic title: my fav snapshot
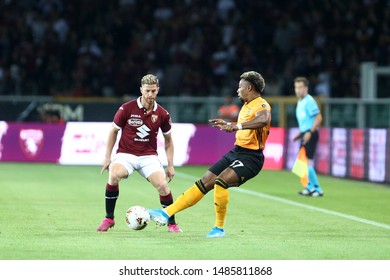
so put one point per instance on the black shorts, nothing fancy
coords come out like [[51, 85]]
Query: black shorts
[[311, 145], [246, 163]]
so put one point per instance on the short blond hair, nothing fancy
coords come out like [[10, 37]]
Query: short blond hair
[[149, 79]]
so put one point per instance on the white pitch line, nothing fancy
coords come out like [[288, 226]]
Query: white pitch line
[[286, 201]]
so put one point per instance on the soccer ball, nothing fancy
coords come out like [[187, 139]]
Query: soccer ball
[[137, 217]]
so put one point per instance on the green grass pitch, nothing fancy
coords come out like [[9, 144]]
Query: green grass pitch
[[50, 212]]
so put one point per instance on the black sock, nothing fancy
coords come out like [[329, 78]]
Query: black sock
[[166, 201], [112, 193]]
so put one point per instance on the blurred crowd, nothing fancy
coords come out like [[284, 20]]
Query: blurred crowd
[[197, 48]]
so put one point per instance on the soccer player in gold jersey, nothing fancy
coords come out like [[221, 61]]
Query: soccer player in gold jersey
[[238, 165]]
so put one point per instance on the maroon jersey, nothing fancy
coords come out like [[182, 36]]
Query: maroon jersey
[[140, 129]]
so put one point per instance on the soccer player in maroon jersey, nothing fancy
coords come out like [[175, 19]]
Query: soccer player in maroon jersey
[[139, 121]]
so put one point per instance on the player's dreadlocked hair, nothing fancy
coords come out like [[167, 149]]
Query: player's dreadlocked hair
[[149, 79], [255, 79]]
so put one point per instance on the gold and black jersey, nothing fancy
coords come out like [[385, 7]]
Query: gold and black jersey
[[253, 139]]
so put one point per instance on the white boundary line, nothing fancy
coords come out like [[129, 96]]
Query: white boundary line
[[290, 202]]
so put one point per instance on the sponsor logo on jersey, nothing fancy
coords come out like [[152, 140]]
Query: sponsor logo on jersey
[[154, 118], [143, 131], [31, 141], [134, 122]]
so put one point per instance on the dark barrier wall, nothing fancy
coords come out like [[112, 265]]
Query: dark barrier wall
[[29, 111]]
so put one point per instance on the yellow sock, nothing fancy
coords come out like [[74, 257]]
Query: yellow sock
[[189, 198], [221, 200]]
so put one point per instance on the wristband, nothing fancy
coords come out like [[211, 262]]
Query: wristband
[[239, 126], [228, 123]]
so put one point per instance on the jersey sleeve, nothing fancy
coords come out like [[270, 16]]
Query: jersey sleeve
[[166, 123], [264, 106], [312, 107], [120, 117]]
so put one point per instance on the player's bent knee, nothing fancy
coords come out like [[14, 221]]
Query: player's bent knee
[[117, 172], [204, 188], [206, 184], [163, 189]]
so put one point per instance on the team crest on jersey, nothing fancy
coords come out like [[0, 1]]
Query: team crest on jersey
[[31, 141], [154, 118]]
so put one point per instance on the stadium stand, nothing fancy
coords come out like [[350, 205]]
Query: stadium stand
[[197, 48]]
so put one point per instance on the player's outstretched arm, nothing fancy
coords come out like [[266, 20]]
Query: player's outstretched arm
[[217, 122], [261, 119]]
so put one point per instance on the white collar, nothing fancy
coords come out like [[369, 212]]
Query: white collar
[[141, 106]]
